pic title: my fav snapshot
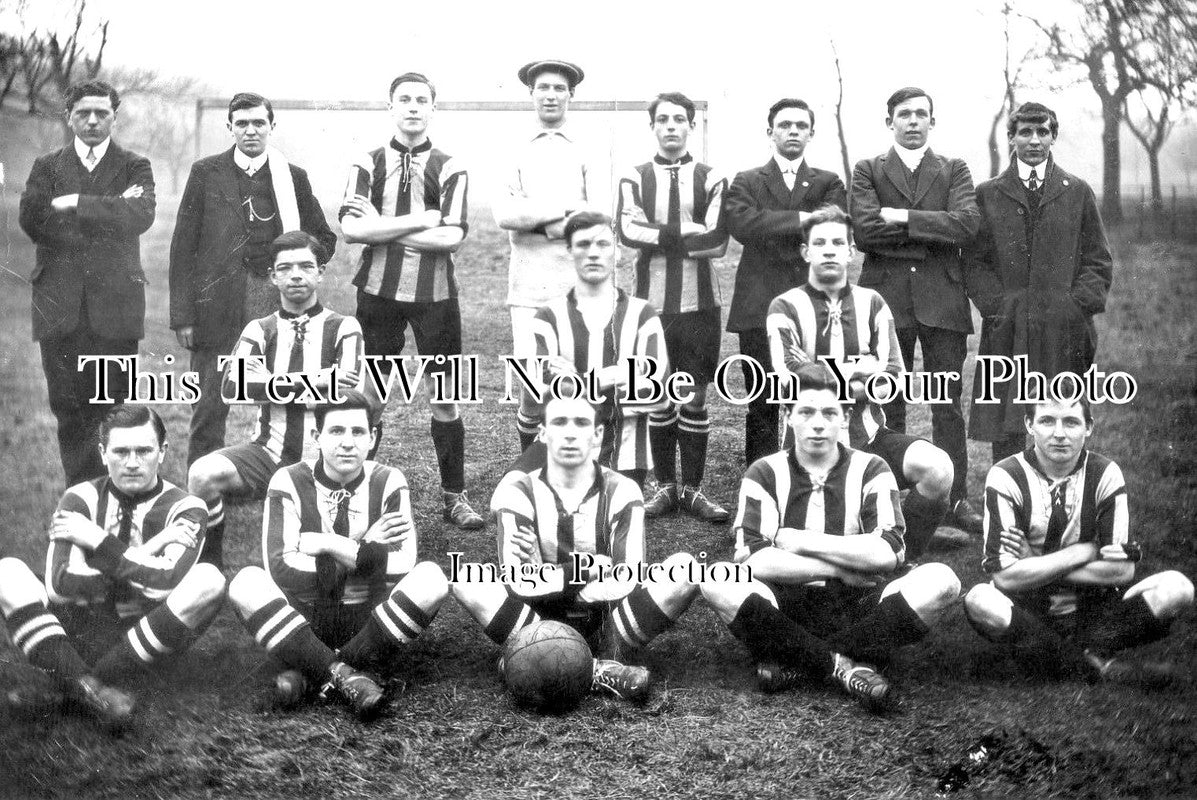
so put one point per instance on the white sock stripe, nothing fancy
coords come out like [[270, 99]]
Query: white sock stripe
[[392, 628], [38, 637], [152, 639], [278, 637], [34, 625], [689, 426], [138, 647], [526, 618], [402, 619], [271, 626], [633, 632]]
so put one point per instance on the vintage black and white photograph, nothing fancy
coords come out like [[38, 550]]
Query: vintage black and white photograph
[[620, 400]]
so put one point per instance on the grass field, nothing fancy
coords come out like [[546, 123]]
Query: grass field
[[205, 728]]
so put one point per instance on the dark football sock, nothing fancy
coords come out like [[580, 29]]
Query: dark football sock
[[662, 440], [213, 549], [394, 622], [638, 619], [513, 615], [922, 515], [152, 638], [693, 433], [287, 635], [1129, 624], [892, 624], [43, 640], [449, 440], [770, 635], [1040, 650], [527, 428]]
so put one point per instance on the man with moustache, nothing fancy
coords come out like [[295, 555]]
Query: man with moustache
[[765, 210], [912, 211], [85, 207], [233, 207], [1042, 270], [549, 178]]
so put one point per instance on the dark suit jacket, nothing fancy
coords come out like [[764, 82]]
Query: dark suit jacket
[[916, 267], [91, 254], [1038, 277], [207, 271], [762, 214]]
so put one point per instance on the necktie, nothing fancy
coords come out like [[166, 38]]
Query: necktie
[[300, 326], [834, 330], [1033, 182], [91, 159], [674, 218], [127, 504], [330, 576], [1058, 521]]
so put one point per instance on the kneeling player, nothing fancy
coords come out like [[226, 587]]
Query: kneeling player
[[573, 505], [1056, 543], [341, 570], [122, 587], [819, 525], [829, 318]]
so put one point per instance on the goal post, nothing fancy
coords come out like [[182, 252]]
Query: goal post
[[326, 136]]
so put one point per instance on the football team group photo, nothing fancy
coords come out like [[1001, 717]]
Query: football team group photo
[[539, 442]]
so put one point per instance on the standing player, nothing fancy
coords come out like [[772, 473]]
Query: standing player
[[85, 206], [1057, 543], [820, 526], [912, 211], [234, 206], [123, 589], [341, 589], [598, 327], [670, 209], [765, 210], [538, 527], [281, 363], [1043, 267], [828, 317], [407, 203], [550, 178]]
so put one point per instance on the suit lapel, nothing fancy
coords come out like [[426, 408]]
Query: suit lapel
[[929, 171], [896, 172], [801, 186], [229, 176], [69, 167], [107, 168], [776, 184], [1010, 185], [1055, 183]]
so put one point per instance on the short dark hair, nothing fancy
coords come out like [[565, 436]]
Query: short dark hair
[[352, 399], [902, 95], [582, 220], [297, 240], [1032, 112], [1029, 410], [412, 77], [91, 89], [677, 98], [243, 100], [129, 415], [826, 213], [816, 377], [791, 102]]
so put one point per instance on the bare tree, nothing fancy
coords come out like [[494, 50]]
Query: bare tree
[[161, 124], [1171, 87], [1011, 74], [839, 116], [1112, 42]]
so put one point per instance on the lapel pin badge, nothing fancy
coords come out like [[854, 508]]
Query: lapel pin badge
[[1065, 181], [806, 183]]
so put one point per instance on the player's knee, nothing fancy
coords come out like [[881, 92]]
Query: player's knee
[[987, 609], [931, 468], [14, 570], [428, 581], [248, 590], [206, 585], [18, 585], [723, 596], [1172, 592], [940, 580], [202, 477]]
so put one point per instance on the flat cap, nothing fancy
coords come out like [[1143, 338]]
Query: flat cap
[[572, 72]]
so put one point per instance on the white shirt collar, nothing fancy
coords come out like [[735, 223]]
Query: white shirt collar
[[784, 163], [549, 133], [911, 158], [244, 162], [100, 149], [1024, 170]]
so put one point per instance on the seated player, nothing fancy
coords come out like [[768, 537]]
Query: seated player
[[607, 522], [1057, 545], [123, 589], [819, 525], [829, 317], [341, 590], [294, 352], [596, 326]]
